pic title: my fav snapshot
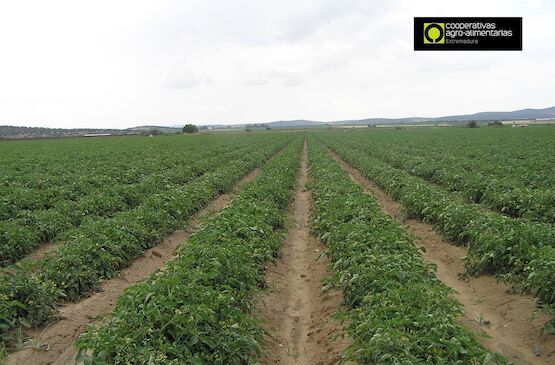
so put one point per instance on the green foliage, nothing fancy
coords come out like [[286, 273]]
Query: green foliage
[[190, 128], [517, 251], [398, 312], [102, 245], [499, 169], [51, 216], [196, 310], [25, 302]]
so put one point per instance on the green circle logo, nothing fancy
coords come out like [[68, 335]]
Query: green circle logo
[[434, 33]]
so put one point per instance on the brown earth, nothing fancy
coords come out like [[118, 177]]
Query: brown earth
[[504, 322], [295, 311], [42, 251], [53, 344]]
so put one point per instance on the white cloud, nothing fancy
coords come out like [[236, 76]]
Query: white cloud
[[286, 78], [181, 76], [105, 63], [255, 82], [185, 80]]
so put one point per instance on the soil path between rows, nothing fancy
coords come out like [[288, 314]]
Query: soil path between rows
[[57, 339], [504, 322], [295, 311]]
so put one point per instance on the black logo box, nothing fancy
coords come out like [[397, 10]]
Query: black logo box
[[512, 43]]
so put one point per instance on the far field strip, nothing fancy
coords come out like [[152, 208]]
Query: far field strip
[[49, 248], [44, 174], [56, 341], [509, 321], [58, 223], [295, 311], [461, 193], [504, 170]]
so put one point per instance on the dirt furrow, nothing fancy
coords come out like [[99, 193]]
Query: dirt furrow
[[53, 344], [504, 322], [295, 311]]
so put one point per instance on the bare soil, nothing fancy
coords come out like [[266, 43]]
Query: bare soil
[[42, 251], [504, 322], [295, 311], [53, 344]]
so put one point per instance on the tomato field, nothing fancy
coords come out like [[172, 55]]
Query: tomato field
[[84, 223]]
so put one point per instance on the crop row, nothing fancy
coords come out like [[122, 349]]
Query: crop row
[[521, 252], [196, 310], [503, 194], [22, 235], [38, 175], [398, 311], [100, 248], [520, 156]]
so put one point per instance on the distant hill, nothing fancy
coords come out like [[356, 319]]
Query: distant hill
[[517, 114], [277, 124], [35, 132], [379, 121], [146, 128], [546, 113]]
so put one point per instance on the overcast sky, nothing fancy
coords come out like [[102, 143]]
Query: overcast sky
[[125, 63]]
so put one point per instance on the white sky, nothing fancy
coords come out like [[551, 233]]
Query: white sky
[[123, 63]]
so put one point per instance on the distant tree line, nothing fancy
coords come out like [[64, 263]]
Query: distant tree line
[[258, 125], [36, 132]]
